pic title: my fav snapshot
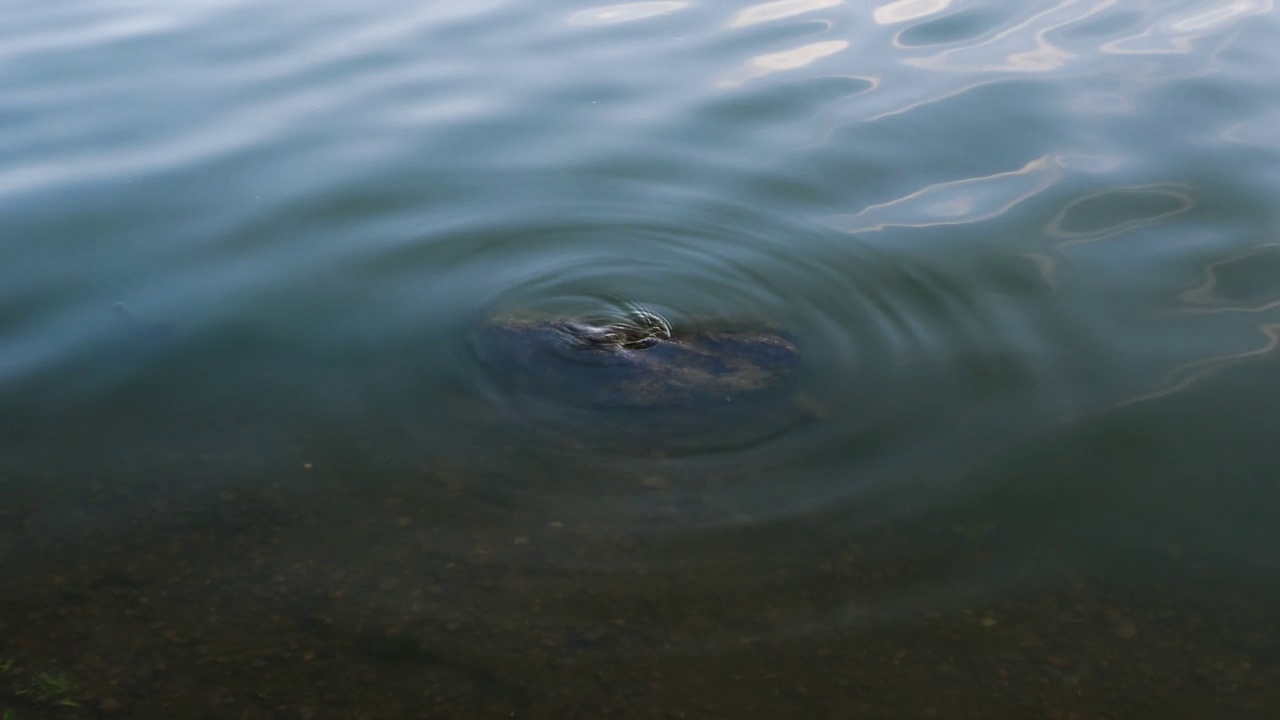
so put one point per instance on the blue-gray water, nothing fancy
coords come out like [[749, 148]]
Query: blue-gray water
[[259, 460]]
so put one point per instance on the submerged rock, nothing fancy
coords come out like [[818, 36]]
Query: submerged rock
[[640, 377]]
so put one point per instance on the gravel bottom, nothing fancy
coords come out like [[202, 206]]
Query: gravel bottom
[[288, 585]]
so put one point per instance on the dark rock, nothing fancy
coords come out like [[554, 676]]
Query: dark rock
[[721, 384]]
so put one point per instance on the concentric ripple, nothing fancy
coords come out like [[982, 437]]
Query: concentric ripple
[[881, 357]]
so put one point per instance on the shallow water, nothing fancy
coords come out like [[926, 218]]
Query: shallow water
[[258, 463]]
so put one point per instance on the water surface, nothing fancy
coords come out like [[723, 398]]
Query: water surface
[[259, 462]]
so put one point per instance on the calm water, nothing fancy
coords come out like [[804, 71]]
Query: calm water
[[261, 459]]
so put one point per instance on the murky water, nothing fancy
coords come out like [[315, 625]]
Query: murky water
[[964, 408]]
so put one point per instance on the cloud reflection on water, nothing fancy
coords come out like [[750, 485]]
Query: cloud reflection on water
[[792, 59], [1085, 219], [1184, 376], [777, 10], [904, 10], [1239, 283], [1178, 33], [958, 201], [1023, 47], [625, 12], [1215, 294]]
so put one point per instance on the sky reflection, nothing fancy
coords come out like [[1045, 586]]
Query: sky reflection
[[958, 201], [792, 59], [625, 12], [777, 10]]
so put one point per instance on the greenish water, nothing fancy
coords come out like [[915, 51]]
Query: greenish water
[[262, 455]]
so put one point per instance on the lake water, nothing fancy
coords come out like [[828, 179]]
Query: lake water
[[295, 423]]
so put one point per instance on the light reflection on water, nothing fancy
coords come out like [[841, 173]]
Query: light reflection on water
[[1025, 255]]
